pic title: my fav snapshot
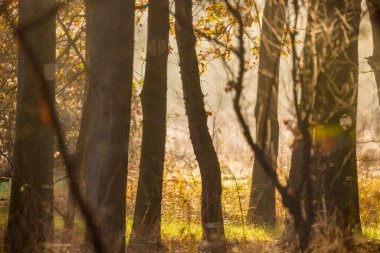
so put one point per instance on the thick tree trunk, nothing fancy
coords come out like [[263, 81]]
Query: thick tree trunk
[[212, 217], [374, 61], [262, 209], [334, 110], [110, 47], [329, 86], [146, 229], [30, 222]]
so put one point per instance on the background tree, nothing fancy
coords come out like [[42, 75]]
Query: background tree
[[300, 207], [212, 217], [30, 222], [77, 160], [374, 14], [110, 31], [262, 208], [146, 229]]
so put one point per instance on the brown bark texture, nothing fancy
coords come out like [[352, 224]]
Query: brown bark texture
[[110, 33], [30, 221], [146, 228], [262, 208], [211, 206]]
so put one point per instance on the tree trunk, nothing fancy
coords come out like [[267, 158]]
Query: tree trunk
[[146, 229], [299, 183], [334, 111], [110, 61], [30, 222], [80, 156], [262, 209], [329, 86], [374, 61], [212, 217], [77, 160]]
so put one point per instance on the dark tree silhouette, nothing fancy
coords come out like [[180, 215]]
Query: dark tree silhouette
[[110, 31], [30, 222], [374, 61], [146, 229], [212, 217], [262, 208]]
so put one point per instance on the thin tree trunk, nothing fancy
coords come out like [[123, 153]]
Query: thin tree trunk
[[110, 63], [30, 222], [77, 161], [80, 156], [262, 209], [374, 61], [299, 184], [212, 217], [146, 229]]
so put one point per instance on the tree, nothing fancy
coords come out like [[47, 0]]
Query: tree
[[146, 229], [262, 208], [77, 160], [332, 75], [110, 31], [30, 222], [374, 14], [334, 69], [212, 217], [328, 101]]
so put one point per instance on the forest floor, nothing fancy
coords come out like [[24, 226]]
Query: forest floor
[[181, 228]]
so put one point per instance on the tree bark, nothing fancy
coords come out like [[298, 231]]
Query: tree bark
[[110, 62], [262, 208], [211, 207], [146, 229], [328, 102], [30, 222], [334, 110], [374, 61]]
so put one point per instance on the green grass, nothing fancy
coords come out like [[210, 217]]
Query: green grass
[[236, 233], [5, 190], [59, 223], [181, 211], [372, 232], [183, 231]]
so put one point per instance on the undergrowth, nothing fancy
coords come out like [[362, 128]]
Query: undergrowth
[[181, 206]]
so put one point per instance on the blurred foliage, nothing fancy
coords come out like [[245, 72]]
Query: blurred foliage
[[8, 87], [71, 89], [216, 30]]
